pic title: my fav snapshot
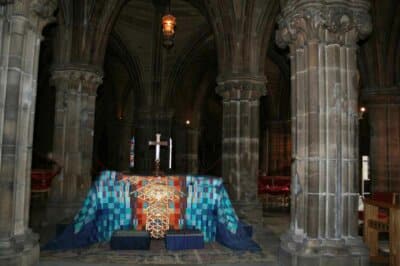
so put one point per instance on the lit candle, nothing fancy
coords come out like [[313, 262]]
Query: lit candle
[[365, 169], [170, 154], [158, 147]]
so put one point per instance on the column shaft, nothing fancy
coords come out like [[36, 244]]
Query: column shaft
[[324, 99], [73, 139], [20, 35], [192, 152], [324, 115], [240, 145], [186, 141]]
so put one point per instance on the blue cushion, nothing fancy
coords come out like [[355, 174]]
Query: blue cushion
[[129, 239], [184, 239]]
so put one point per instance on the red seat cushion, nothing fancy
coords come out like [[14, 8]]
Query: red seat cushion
[[41, 179], [274, 185]]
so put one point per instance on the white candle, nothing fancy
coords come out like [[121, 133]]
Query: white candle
[[170, 154], [158, 147], [365, 169], [157, 153]]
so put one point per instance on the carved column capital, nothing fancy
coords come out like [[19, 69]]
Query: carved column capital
[[343, 22], [241, 87], [36, 14], [43, 8], [89, 79]]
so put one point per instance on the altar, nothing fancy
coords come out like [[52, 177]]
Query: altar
[[155, 204]]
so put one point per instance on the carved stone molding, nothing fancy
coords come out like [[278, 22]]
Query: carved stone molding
[[39, 12], [241, 87], [89, 80], [43, 8], [343, 22]]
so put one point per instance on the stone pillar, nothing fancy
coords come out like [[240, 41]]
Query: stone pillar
[[322, 36], [240, 143], [21, 24], [186, 141], [242, 33], [279, 149], [73, 139], [120, 133], [383, 106], [192, 150]]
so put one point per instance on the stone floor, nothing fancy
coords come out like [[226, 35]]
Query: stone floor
[[266, 234]]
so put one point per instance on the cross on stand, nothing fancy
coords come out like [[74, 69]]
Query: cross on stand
[[157, 143]]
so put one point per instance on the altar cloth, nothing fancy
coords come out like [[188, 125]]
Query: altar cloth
[[108, 208]]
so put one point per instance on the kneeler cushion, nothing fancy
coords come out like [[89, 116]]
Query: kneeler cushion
[[130, 239], [184, 239]]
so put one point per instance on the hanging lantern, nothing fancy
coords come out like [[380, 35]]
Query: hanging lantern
[[168, 28]]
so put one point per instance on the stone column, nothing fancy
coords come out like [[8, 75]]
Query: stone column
[[185, 146], [120, 133], [192, 150], [383, 106], [73, 138], [322, 36], [21, 24], [242, 31], [279, 155], [240, 140]]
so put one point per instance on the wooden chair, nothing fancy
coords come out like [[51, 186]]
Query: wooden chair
[[375, 223]]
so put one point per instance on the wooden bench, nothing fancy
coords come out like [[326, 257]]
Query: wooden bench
[[375, 224]]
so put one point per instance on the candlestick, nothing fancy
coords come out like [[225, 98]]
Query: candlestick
[[132, 153]]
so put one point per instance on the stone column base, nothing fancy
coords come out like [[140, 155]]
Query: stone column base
[[320, 252], [20, 251], [249, 212]]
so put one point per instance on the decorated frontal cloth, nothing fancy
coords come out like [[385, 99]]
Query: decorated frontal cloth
[[158, 203]]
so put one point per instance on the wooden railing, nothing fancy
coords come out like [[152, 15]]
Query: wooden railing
[[373, 225]]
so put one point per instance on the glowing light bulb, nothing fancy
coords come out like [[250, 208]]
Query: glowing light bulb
[[168, 29]]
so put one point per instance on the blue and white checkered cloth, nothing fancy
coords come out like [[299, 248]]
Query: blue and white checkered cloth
[[108, 204], [208, 204]]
